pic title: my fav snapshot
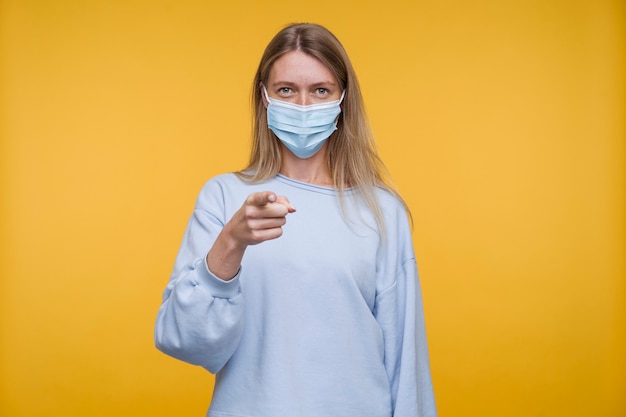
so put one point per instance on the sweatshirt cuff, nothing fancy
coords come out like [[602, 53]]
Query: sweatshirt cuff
[[217, 286]]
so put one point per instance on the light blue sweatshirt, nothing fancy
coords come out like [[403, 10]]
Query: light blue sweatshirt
[[325, 321]]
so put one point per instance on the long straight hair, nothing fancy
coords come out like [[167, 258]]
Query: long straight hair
[[352, 158]]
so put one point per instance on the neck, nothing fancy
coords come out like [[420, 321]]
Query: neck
[[313, 170]]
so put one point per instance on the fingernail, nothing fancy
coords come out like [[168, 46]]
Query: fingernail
[[271, 198]]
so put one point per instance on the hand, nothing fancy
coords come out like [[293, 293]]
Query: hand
[[260, 218]]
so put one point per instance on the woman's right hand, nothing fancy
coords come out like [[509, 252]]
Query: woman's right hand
[[260, 218]]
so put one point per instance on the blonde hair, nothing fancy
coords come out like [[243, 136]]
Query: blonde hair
[[353, 161]]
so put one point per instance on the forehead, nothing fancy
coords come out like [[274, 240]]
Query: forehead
[[300, 68]]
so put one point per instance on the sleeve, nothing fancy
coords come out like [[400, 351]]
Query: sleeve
[[200, 320], [399, 312]]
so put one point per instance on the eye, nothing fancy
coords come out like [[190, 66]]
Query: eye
[[322, 91], [284, 90]]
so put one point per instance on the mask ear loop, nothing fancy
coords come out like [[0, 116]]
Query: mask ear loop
[[343, 94], [265, 95]]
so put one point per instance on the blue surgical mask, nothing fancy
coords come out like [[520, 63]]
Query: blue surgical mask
[[302, 129]]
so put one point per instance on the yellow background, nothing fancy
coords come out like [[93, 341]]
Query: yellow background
[[502, 123]]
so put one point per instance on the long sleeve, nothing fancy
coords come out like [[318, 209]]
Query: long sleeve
[[399, 312], [200, 320]]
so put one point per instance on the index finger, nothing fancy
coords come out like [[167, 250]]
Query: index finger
[[283, 200]]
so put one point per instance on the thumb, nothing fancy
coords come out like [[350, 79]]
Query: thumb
[[261, 198]]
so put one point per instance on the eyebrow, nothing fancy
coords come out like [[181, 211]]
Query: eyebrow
[[291, 84]]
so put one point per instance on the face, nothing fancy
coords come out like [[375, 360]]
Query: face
[[301, 79]]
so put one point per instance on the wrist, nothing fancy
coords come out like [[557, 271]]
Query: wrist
[[224, 258]]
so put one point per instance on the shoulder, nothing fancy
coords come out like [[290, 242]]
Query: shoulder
[[390, 203], [229, 186], [395, 214], [215, 188], [221, 182]]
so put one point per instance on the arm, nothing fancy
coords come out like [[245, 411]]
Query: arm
[[200, 320], [400, 314]]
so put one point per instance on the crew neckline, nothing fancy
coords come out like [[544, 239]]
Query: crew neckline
[[310, 187]]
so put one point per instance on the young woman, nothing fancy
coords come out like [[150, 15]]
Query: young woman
[[296, 282]]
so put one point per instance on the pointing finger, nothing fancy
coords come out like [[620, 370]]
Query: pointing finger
[[284, 201]]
